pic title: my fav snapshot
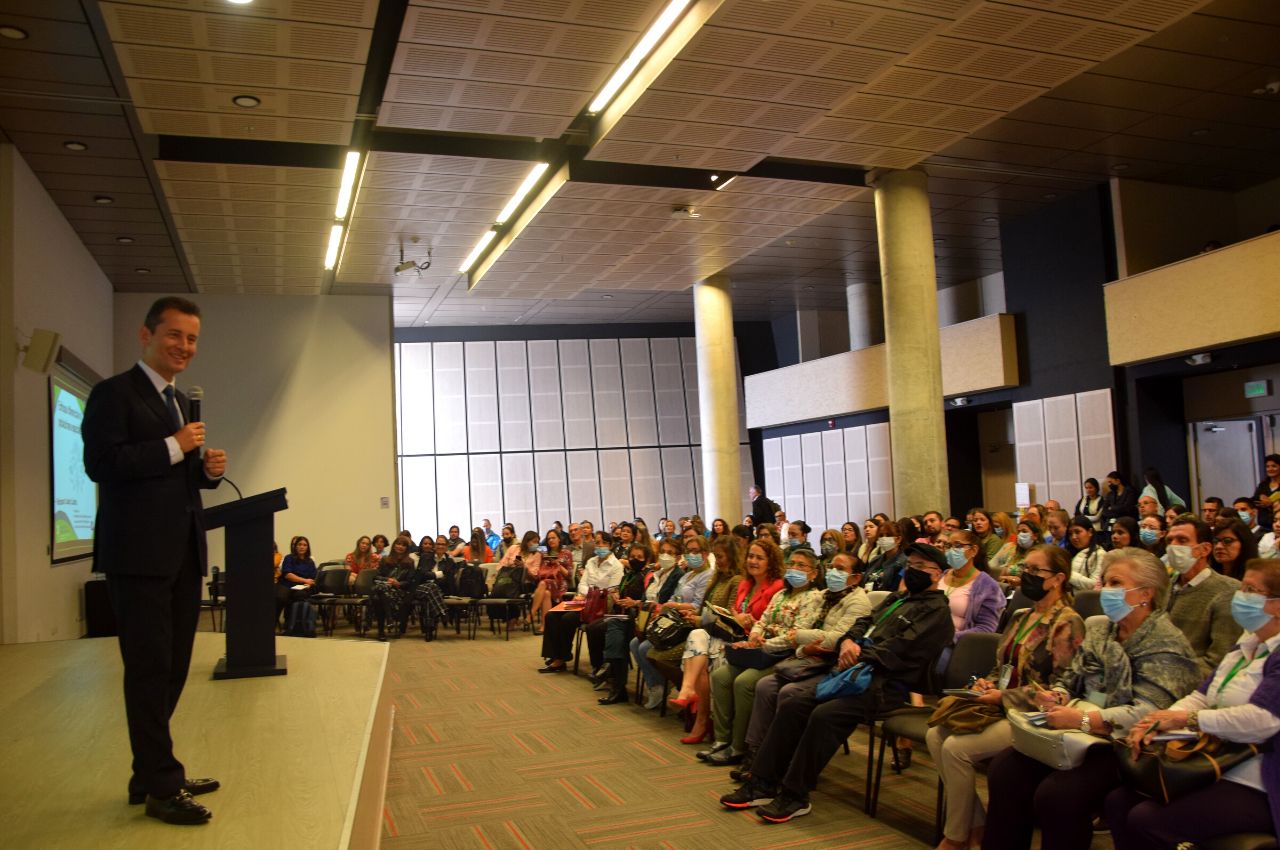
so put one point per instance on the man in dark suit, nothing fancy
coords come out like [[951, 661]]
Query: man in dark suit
[[763, 508], [143, 450]]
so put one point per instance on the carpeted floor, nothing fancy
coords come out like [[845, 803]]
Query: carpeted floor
[[488, 753]]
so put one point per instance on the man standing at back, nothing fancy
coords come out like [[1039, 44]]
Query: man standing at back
[[143, 449]]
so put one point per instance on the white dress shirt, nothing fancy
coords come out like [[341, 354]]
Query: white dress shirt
[[175, 451]]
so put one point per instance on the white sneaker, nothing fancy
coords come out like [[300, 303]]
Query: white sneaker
[[654, 699]]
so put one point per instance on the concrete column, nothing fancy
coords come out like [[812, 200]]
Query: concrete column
[[866, 315], [717, 398], [809, 332], [913, 361]]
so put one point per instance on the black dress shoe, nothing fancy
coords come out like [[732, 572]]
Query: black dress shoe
[[725, 757], [702, 755], [191, 786], [181, 809], [901, 759], [615, 696], [550, 669]]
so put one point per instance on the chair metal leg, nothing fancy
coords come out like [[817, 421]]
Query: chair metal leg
[[577, 650], [939, 812], [872, 800], [666, 691]]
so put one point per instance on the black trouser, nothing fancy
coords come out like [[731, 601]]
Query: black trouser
[[156, 618], [805, 734], [1026, 793], [617, 637], [558, 628], [595, 642]]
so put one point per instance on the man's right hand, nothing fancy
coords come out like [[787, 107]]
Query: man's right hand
[[190, 437]]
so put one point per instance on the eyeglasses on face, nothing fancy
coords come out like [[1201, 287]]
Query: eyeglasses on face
[[1225, 541]]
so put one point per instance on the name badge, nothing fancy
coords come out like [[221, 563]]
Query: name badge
[[1006, 675]]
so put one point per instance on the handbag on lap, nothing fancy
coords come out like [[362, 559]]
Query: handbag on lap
[[667, 630], [597, 601], [1061, 749], [1168, 770]]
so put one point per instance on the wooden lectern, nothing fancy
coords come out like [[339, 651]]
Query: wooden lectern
[[250, 585]]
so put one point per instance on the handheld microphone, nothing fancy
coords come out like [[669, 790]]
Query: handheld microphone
[[195, 396]]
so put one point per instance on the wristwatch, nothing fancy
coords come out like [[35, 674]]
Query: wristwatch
[[1085, 724]]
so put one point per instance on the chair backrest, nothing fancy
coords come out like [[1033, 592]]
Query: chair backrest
[[332, 579], [1016, 603], [973, 655], [875, 597], [364, 583], [1088, 603], [324, 565]]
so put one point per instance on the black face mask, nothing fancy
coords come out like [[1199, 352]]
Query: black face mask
[[916, 581], [1033, 587], [637, 564]]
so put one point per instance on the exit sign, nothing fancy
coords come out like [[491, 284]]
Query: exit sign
[[1257, 389]]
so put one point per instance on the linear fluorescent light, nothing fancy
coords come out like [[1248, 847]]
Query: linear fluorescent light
[[476, 251], [650, 40], [348, 184], [530, 180], [335, 240], [725, 184]]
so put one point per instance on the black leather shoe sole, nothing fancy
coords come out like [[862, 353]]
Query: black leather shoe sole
[[193, 787], [552, 669], [613, 699]]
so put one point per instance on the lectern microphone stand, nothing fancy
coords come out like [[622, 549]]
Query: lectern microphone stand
[[250, 585]]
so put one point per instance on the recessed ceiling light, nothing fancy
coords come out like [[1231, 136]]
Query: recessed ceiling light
[[246, 101], [990, 219], [73, 145], [1120, 166], [103, 199], [606, 297], [125, 240], [939, 241], [141, 270], [1200, 131], [15, 33], [809, 288], [240, 2]]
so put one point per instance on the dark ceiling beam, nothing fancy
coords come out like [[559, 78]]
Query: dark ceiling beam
[[780, 169], [628, 174], [382, 51], [455, 144], [249, 152]]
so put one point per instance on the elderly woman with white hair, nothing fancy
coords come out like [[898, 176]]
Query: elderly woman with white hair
[[1130, 664]]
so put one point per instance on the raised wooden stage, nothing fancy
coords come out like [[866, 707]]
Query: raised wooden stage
[[302, 758]]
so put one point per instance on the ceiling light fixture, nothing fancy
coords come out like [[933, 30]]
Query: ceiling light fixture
[[246, 101], [990, 219], [1120, 166], [639, 53], [240, 2], [141, 270], [12, 32], [349, 171], [335, 241], [73, 145], [103, 199], [125, 240], [607, 297], [470, 261], [526, 186], [725, 184]]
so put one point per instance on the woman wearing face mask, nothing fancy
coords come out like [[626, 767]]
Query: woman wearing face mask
[[1132, 664], [1007, 564], [870, 531], [637, 571], [660, 586], [975, 598], [1239, 702], [1151, 532], [797, 606], [703, 651], [884, 570], [1233, 547], [830, 542], [842, 605], [602, 571], [797, 536], [1086, 564], [1037, 645], [1124, 533]]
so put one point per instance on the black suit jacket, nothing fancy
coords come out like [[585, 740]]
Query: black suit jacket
[[146, 505]]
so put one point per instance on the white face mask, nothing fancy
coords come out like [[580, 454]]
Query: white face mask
[[886, 543], [666, 562], [1180, 558]]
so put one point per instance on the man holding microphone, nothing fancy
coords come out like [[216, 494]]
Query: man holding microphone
[[143, 449]]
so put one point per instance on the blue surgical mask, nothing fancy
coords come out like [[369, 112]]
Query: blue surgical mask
[[997, 531], [1114, 604], [797, 578], [1247, 610], [828, 549], [602, 552], [1148, 536], [956, 558], [1247, 517], [837, 580], [793, 542], [1026, 539], [693, 561]]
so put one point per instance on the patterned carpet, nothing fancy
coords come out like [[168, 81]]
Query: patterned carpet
[[489, 754]]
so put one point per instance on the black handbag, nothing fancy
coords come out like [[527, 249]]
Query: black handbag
[[754, 658], [726, 628], [1172, 769], [667, 630]]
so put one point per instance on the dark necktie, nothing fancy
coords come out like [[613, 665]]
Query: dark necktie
[[172, 404]]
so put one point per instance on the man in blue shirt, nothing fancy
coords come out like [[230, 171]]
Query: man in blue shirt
[[491, 537]]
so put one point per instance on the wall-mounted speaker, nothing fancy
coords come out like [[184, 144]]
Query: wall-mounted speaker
[[42, 352]]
